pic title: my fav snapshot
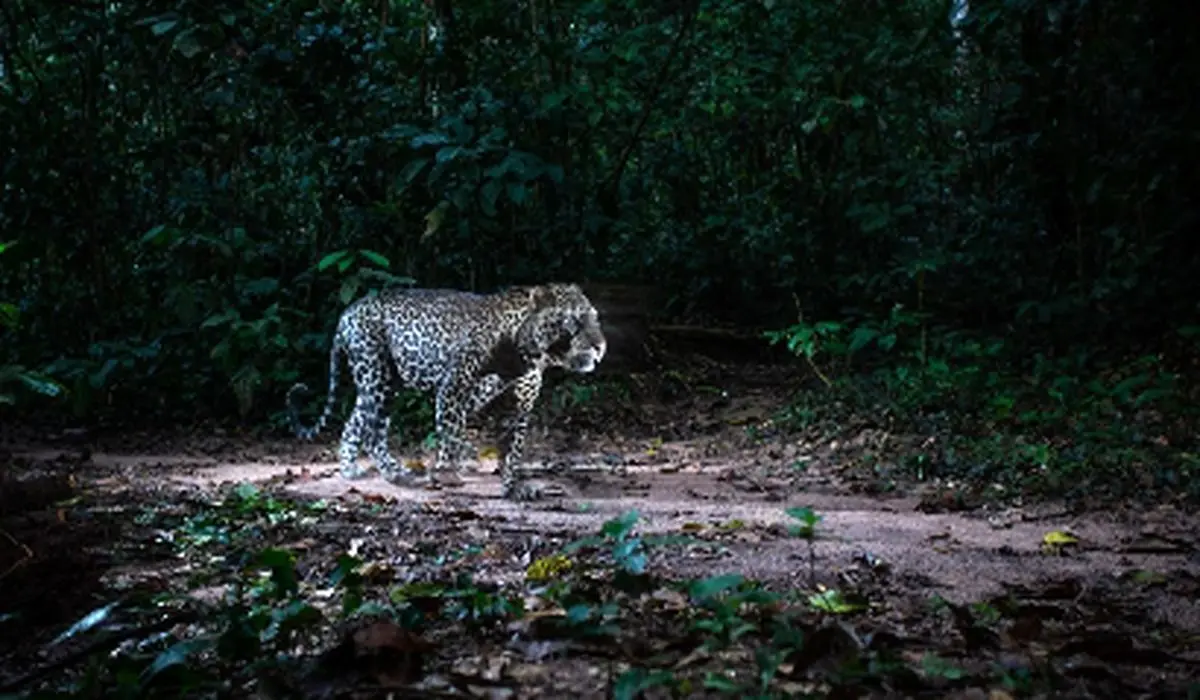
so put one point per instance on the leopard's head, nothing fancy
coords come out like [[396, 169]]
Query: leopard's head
[[562, 328]]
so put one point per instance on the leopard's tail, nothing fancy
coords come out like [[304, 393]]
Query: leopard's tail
[[308, 433]]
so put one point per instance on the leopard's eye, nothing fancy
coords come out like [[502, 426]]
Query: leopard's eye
[[570, 324]]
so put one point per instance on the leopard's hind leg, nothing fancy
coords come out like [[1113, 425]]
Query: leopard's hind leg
[[368, 425]]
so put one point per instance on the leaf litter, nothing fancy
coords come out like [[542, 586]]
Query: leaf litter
[[704, 553]]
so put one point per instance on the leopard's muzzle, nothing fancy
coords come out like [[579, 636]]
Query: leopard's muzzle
[[587, 349]]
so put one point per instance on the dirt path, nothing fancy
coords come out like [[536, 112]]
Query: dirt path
[[962, 557], [710, 466]]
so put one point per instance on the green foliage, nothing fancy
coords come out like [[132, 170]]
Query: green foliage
[[10, 374], [1075, 423], [284, 614], [625, 551], [197, 189], [725, 598], [806, 529]]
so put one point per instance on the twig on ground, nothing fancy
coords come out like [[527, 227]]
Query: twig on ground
[[20, 562], [96, 645]]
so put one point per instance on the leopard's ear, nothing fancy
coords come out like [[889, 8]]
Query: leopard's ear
[[542, 296], [521, 292]]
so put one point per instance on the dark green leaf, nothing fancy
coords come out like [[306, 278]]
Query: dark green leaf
[[376, 258], [187, 43], [488, 195], [632, 684], [433, 139], [247, 491], [9, 314], [221, 318], [332, 259], [518, 193], [99, 378], [714, 681], [349, 290], [411, 171], [282, 565], [712, 586], [178, 654], [861, 337], [153, 234], [162, 27], [621, 526]]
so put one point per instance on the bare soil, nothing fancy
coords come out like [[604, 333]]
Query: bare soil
[[708, 467]]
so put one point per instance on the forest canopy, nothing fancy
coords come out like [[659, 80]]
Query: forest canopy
[[192, 191]]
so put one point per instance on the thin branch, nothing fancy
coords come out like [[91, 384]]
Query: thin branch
[[660, 83], [28, 554], [102, 644]]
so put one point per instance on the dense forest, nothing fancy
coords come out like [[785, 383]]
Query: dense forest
[[192, 192], [968, 222]]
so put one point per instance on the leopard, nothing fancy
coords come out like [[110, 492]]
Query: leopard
[[468, 349]]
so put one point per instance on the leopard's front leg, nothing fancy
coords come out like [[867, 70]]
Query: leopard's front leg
[[515, 485], [485, 390], [452, 405]]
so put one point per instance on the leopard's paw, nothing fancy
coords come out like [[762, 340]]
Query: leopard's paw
[[403, 476], [534, 490], [446, 478], [352, 472]]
